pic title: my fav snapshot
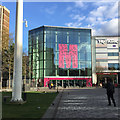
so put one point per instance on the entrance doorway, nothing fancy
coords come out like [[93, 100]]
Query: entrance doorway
[[69, 82]]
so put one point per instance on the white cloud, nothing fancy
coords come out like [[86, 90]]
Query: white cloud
[[99, 12], [108, 28], [103, 19], [75, 24], [79, 4], [69, 8], [78, 17], [113, 11], [50, 10], [111, 27], [91, 19], [107, 11]]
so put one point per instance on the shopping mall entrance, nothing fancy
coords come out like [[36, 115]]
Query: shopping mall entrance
[[68, 82], [104, 77]]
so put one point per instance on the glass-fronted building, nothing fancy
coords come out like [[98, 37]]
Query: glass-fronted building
[[60, 55]]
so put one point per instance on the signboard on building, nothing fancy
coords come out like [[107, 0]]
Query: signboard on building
[[68, 56], [106, 41], [109, 42]]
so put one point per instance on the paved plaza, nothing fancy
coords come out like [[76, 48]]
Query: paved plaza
[[82, 104]]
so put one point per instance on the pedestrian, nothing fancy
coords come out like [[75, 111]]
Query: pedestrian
[[110, 91], [51, 85], [100, 84]]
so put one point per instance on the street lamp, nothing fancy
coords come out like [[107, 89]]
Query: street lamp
[[25, 21]]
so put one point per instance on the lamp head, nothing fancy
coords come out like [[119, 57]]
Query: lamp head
[[26, 25]]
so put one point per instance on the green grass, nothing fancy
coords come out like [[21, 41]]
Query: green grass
[[30, 108]]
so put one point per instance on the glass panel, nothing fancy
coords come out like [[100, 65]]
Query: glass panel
[[61, 72], [73, 72], [41, 72], [62, 37], [41, 64], [73, 38], [41, 55], [113, 66], [49, 72], [71, 82]]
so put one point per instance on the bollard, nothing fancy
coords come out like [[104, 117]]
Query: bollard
[[57, 90]]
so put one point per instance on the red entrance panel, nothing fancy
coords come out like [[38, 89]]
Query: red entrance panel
[[88, 80]]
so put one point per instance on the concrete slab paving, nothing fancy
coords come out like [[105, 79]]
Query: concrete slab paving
[[84, 104]]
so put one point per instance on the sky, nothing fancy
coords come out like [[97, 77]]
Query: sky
[[101, 17]]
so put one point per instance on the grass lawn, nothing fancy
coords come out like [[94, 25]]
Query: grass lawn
[[30, 108]]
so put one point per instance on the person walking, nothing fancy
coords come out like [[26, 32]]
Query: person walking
[[110, 91], [51, 85]]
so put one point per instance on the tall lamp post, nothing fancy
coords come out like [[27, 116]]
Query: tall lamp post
[[17, 75]]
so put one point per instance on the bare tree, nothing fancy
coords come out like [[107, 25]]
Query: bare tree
[[25, 66], [7, 59], [99, 70], [112, 75]]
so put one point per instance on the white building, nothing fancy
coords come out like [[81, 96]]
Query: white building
[[105, 58]]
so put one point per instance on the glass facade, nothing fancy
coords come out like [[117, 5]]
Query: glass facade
[[59, 51]]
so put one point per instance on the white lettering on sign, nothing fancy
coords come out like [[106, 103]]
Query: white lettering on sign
[[104, 41]]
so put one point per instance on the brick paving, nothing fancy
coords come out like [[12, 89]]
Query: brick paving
[[83, 103]]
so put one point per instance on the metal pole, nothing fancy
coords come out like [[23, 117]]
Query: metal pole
[[1, 22], [1, 11], [17, 75]]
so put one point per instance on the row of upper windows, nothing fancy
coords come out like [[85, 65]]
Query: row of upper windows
[[113, 54], [61, 40], [51, 37], [59, 31], [113, 66]]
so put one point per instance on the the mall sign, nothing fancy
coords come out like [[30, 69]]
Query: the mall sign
[[105, 41], [68, 56]]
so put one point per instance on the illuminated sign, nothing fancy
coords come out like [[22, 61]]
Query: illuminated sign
[[69, 57], [104, 41]]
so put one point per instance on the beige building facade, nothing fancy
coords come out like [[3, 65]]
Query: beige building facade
[[4, 26], [105, 58]]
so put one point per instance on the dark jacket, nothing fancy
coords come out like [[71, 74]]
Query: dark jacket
[[110, 88]]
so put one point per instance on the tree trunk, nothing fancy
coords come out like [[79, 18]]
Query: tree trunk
[[25, 72], [1, 81], [9, 75]]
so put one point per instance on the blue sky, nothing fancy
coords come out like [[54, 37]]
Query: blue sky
[[101, 17]]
